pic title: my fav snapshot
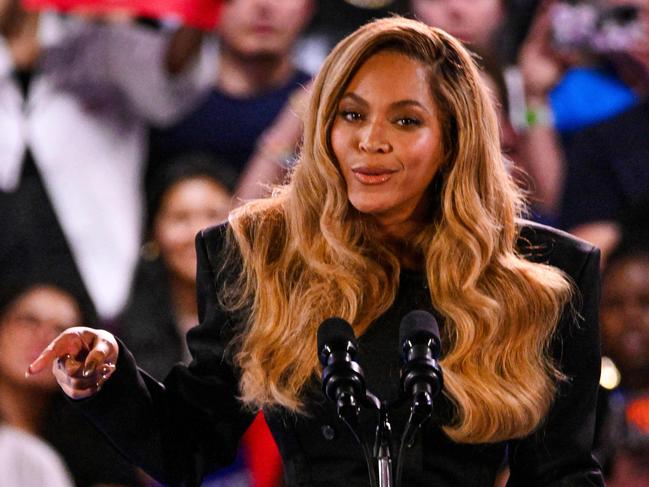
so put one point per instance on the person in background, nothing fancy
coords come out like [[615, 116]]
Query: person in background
[[77, 95], [585, 135], [254, 79], [477, 23], [607, 164], [625, 341], [37, 445], [191, 194], [25, 458]]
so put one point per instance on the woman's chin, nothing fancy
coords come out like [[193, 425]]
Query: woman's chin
[[368, 207]]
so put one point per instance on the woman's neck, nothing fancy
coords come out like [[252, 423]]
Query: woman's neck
[[400, 240], [23, 407], [247, 77]]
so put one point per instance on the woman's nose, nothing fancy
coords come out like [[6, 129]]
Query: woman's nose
[[373, 139]]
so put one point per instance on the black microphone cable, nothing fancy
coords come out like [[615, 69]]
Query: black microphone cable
[[421, 374], [343, 381]]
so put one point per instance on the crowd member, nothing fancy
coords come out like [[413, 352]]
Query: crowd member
[[27, 460], [77, 96], [570, 60], [625, 340], [399, 200], [38, 430], [478, 23], [542, 155], [607, 177], [191, 194], [254, 78], [566, 97], [608, 164]]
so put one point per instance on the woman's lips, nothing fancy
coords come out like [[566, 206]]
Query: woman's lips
[[262, 28], [370, 176]]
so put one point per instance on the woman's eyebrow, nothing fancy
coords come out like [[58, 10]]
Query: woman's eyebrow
[[397, 104], [409, 103], [354, 97]]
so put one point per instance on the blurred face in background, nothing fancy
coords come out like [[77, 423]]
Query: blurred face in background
[[186, 208], [625, 315], [472, 21], [4, 8], [254, 28], [7, 11], [29, 324]]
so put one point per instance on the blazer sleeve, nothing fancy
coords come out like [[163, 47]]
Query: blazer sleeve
[[181, 429], [559, 452]]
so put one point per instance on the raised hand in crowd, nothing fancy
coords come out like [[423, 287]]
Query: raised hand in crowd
[[541, 67]]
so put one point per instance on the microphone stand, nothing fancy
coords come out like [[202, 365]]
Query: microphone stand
[[383, 447], [421, 409], [381, 472], [348, 408]]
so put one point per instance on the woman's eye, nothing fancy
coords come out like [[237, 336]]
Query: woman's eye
[[408, 122], [350, 115]]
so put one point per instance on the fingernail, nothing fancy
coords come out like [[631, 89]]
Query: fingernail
[[90, 368], [29, 372]]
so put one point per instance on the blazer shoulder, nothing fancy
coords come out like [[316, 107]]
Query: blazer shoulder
[[210, 244], [214, 234], [548, 245]]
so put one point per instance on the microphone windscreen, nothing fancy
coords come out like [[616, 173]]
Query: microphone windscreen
[[335, 332], [418, 323]]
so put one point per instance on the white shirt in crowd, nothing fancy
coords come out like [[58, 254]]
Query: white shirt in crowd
[[27, 461], [85, 121]]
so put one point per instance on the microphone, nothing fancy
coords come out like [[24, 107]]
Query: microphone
[[421, 374], [343, 381], [420, 349]]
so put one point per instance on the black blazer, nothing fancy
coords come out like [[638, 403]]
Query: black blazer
[[192, 424]]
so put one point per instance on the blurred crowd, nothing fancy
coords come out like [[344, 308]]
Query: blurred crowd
[[121, 137]]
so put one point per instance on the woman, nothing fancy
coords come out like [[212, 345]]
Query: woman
[[190, 194], [39, 431], [27, 317], [400, 201], [623, 445]]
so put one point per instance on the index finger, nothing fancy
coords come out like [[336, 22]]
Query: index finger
[[67, 343]]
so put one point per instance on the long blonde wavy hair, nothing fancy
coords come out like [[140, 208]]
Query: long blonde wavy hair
[[306, 254]]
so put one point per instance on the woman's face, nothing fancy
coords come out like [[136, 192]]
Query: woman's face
[[625, 314], [471, 21], [263, 27], [28, 326], [186, 208], [387, 138]]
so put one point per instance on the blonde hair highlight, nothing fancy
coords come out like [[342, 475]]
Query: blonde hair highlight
[[306, 254]]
